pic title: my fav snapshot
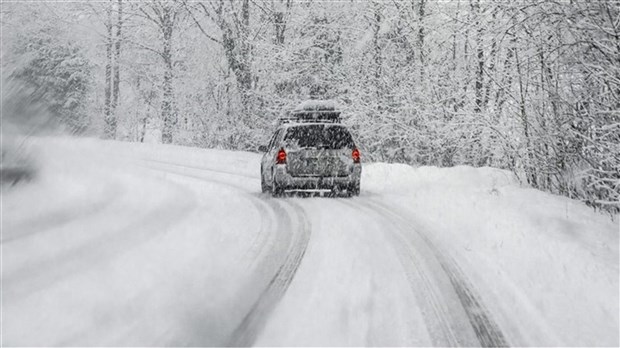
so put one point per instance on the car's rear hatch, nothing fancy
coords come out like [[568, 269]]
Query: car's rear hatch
[[321, 150], [313, 162]]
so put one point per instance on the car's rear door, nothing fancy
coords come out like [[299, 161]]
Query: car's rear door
[[319, 150]]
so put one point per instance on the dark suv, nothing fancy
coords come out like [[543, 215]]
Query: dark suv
[[311, 151]]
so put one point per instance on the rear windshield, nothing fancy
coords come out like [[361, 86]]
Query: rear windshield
[[319, 136]]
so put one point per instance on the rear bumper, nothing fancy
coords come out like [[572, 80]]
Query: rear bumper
[[300, 183]]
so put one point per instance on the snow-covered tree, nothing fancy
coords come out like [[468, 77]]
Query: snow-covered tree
[[52, 73], [530, 86]]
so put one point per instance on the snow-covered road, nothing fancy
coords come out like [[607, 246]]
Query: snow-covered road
[[151, 245]]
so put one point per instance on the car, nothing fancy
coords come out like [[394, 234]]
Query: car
[[311, 151]]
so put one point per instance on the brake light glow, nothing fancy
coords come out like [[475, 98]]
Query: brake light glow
[[281, 158], [356, 156]]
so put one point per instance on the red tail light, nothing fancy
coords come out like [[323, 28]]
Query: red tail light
[[281, 159], [356, 156]]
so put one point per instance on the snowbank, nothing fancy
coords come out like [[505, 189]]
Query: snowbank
[[540, 255]]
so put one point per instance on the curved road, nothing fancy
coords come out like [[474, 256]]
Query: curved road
[[130, 246], [453, 313]]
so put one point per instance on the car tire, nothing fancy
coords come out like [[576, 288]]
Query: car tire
[[355, 189], [276, 190], [263, 185], [339, 192]]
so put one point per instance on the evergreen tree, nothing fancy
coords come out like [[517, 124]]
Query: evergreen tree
[[54, 74]]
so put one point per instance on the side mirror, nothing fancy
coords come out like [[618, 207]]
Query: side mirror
[[262, 148]]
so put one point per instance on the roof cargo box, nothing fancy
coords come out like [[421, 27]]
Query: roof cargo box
[[324, 111]]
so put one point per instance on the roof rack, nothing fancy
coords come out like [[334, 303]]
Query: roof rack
[[310, 111]]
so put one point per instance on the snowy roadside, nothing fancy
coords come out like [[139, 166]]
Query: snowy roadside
[[550, 263], [99, 251]]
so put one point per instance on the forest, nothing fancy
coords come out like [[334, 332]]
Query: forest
[[532, 86]]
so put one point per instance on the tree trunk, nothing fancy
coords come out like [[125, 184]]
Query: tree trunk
[[529, 165], [279, 21], [500, 96], [466, 58], [116, 66], [109, 116], [237, 45], [246, 61], [456, 16], [480, 55], [377, 59], [167, 107], [421, 13], [491, 68]]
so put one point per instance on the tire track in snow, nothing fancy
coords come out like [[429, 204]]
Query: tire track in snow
[[486, 330], [265, 232], [427, 293], [254, 321], [295, 229]]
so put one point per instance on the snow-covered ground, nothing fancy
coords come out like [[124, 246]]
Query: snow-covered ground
[[118, 244]]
